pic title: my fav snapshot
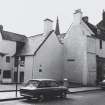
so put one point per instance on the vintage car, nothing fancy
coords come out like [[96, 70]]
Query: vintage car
[[102, 84], [43, 88]]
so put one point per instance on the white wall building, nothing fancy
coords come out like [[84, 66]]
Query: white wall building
[[82, 49], [78, 55]]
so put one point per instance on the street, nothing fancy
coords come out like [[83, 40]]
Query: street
[[82, 98]]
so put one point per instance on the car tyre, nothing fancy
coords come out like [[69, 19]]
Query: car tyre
[[41, 98], [28, 98], [63, 95]]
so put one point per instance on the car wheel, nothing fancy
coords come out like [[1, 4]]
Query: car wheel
[[41, 97], [103, 88], [28, 98], [63, 95]]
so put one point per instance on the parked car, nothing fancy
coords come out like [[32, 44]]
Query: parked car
[[102, 84], [43, 88]]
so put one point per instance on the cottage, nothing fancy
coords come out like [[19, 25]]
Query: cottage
[[8, 47], [43, 55], [84, 51]]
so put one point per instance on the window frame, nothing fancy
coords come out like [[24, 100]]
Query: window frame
[[8, 75], [8, 59], [22, 61]]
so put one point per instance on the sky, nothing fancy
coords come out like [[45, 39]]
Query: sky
[[26, 16]]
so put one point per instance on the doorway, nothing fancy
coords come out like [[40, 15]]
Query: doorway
[[100, 68], [21, 76]]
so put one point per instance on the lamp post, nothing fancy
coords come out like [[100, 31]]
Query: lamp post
[[17, 65]]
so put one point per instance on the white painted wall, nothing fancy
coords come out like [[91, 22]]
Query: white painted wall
[[75, 48], [8, 47], [91, 60], [48, 26], [0, 37], [79, 50], [49, 58]]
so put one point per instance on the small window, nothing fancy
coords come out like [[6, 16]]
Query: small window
[[7, 74], [8, 59], [0, 71], [22, 60], [16, 61], [40, 70], [98, 31], [100, 44]]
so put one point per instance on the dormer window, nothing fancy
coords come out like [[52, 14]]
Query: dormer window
[[8, 59]]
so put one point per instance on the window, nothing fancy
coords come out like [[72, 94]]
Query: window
[[0, 71], [21, 76], [7, 74], [40, 70], [16, 61], [98, 31], [7, 59], [22, 60], [100, 44]]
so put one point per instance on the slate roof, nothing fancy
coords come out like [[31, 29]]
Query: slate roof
[[13, 36], [101, 27], [34, 43], [2, 54], [91, 26]]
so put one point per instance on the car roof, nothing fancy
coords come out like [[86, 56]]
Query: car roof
[[42, 80]]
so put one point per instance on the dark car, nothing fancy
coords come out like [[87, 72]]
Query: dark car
[[102, 84], [43, 88]]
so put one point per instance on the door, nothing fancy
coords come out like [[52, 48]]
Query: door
[[21, 76], [100, 69], [15, 76]]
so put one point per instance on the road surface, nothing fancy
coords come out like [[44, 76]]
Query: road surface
[[83, 98]]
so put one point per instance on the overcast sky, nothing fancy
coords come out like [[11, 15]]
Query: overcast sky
[[26, 16]]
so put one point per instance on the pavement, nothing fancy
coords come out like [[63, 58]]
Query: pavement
[[11, 95]]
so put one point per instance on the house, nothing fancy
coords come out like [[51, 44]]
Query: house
[[42, 56], [84, 51], [78, 54], [8, 47]]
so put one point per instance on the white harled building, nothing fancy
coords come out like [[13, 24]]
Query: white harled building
[[84, 51], [78, 54]]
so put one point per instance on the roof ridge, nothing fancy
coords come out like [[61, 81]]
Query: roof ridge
[[14, 33], [43, 41], [36, 35]]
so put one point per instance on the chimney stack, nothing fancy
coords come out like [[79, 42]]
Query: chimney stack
[[1, 28], [85, 19], [103, 16], [48, 26], [77, 16]]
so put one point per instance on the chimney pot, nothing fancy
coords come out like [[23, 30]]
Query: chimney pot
[[85, 19], [48, 26], [77, 16]]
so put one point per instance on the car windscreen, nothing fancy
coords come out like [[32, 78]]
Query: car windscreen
[[48, 84], [32, 83]]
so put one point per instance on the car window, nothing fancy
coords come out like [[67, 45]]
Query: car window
[[53, 84], [48, 84], [32, 83], [43, 84]]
